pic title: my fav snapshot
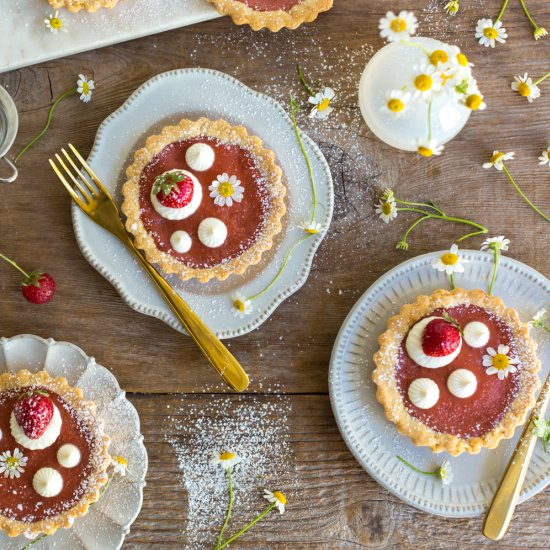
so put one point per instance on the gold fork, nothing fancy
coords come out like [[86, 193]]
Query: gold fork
[[97, 203]]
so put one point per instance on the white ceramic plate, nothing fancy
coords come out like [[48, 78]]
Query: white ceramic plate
[[375, 441], [34, 43], [108, 521], [165, 99]]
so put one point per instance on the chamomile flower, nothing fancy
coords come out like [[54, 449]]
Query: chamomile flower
[[539, 318], [241, 306], [429, 147], [310, 227], [450, 262], [426, 81], [226, 459], [55, 23], [387, 207], [492, 243], [120, 465], [489, 34], [540, 32], [452, 7], [462, 59], [473, 101], [321, 103], [497, 159], [545, 157], [277, 498], [525, 87], [446, 473], [397, 102], [226, 189], [398, 27], [12, 465], [84, 87], [499, 361]]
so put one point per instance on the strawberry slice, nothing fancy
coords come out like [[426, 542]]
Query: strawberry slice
[[440, 338], [33, 412], [174, 189]]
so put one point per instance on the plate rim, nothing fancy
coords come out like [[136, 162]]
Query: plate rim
[[333, 379], [281, 294]]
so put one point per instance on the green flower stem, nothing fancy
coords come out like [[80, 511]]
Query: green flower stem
[[430, 120], [229, 509], [413, 45], [421, 204], [293, 108], [48, 122], [434, 473], [528, 15], [34, 542], [501, 12], [541, 79], [248, 526], [452, 279], [11, 262], [285, 261], [303, 80], [523, 195], [413, 225], [496, 254]]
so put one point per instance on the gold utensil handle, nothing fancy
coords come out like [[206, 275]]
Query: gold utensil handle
[[504, 502], [219, 356]]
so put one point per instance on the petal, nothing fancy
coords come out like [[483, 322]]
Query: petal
[[491, 370], [491, 351], [329, 93], [487, 361]]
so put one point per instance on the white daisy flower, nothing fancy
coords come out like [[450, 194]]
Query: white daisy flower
[[426, 81], [84, 87], [446, 473], [277, 498], [241, 306], [525, 87], [499, 362], [500, 242], [450, 262], [310, 227], [387, 207], [225, 190], [428, 148], [497, 159], [397, 102], [226, 459], [55, 23], [12, 465], [461, 59], [321, 101], [545, 157], [539, 318], [473, 101], [120, 465], [489, 34], [398, 27]]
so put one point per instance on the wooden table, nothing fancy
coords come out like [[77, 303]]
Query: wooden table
[[334, 503]]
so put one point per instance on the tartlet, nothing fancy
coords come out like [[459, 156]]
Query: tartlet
[[88, 5]]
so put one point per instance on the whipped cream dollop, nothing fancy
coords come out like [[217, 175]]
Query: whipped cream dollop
[[200, 157], [476, 334], [47, 482], [68, 455], [51, 433], [181, 241], [423, 393], [212, 232], [187, 210], [413, 345], [462, 383]]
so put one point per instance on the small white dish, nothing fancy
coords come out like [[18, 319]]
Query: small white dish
[[109, 520], [375, 441], [192, 93]]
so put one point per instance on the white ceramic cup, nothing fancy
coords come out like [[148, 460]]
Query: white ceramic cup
[[9, 122]]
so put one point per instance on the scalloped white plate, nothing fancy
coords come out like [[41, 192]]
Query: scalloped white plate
[[165, 99], [375, 441], [108, 521]]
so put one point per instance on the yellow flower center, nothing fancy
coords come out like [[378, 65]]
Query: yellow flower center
[[12, 462], [473, 102], [497, 156], [500, 361], [311, 230], [398, 25], [323, 104], [438, 56], [425, 151], [225, 189], [280, 497], [423, 82], [490, 33], [55, 23], [449, 258], [462, 59], [387, 208], [524, 89], [239, 305], [227, 456], [85, 88], [395, 105], [121, 460]]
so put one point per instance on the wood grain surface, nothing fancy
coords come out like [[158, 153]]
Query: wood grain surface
[[335, 504]]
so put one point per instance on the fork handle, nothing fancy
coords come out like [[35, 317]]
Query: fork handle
[[504, 502], [219, 356]]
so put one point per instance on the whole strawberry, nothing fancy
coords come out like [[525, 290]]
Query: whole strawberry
[[33, 412], [440, 338]]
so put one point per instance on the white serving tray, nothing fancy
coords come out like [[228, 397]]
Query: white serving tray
[[25, 40]]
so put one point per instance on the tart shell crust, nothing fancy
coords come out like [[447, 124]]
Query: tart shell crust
[[89, 5]]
